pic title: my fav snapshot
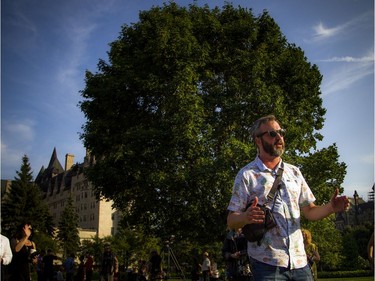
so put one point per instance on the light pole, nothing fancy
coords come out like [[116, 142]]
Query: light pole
[[356, 206]]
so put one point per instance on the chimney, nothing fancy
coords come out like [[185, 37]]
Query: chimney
[[69, 161]]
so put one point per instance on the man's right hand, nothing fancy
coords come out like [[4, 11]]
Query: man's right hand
[[254, 214]]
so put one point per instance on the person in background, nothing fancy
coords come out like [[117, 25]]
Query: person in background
[[109, 264], [370, 251], [48, 260], [312, 252], [214, 271], [196, 269], [142, 270], [69, 266], [206, 267], [280, 255], [89, 263], [59, 275], [40, 266], [234, 252], [5, 256], [81, 276], [22, 247], [155, 265]]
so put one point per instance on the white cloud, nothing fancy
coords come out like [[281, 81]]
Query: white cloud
[[345, 76], [69, 73], [16, 140], [22, 130], [348, 71], [350, 59], [322, 32]]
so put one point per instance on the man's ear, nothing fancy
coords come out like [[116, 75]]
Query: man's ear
[[257, 141]]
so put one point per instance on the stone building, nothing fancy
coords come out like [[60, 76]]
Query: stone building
[[96, 217], [5, 189], [360, 212]]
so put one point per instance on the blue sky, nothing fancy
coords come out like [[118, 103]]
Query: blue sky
[[46, 47]]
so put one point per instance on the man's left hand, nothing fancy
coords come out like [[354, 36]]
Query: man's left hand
[[339, 204]]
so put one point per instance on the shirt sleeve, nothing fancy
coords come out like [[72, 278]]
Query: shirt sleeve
[[307, 196], [240, 193], [7, 252]]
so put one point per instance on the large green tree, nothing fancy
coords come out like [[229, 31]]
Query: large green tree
[[168, 115], [24, 204], [68, 234]]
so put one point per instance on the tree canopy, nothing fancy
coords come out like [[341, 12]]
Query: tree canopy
[[168, 115]]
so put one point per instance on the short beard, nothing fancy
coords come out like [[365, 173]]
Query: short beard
[[272, 150]]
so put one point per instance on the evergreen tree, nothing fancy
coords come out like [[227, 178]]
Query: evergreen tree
[[68, 234], [24, 204]]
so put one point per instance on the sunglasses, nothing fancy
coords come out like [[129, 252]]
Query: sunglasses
[[273, 133]]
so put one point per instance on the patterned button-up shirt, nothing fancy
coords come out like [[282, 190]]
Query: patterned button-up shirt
[[283, 244]]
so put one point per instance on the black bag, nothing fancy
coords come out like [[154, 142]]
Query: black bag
[[255, 231]]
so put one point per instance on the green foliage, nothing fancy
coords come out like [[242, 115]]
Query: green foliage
[[329, 242], [355, 242], [68, 234], [346, 275], [24, 204], [45, 242], [132, 245], [168, 116], [324, 173]]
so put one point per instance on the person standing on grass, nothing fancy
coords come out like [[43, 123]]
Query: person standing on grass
[[280, 255], [312, 252]]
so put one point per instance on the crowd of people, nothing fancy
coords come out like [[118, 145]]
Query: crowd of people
[[20, 255]]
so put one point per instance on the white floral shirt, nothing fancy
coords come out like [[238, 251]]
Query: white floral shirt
[[282, 245]]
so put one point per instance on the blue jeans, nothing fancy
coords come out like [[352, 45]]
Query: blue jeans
[[266, 272]]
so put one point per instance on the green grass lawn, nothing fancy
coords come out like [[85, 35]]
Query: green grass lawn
[[368, 278]]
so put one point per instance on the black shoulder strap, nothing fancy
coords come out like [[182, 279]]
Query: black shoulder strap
[[276, 183]]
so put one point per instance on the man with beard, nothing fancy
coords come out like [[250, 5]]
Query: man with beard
[[280, 254]]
